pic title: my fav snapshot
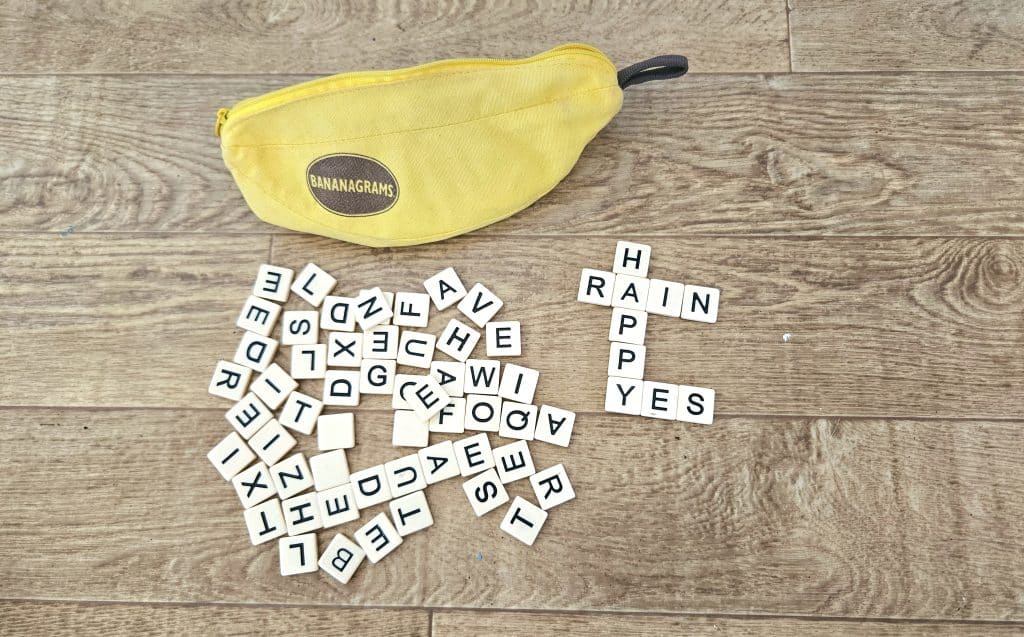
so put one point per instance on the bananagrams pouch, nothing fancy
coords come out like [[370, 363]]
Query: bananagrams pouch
[[392, 158]]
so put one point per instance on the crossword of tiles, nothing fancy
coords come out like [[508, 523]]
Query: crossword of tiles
[[369, 336], [632, 296]]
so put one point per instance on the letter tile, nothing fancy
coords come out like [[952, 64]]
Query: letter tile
[[341, 387], [483, 413], [309, 361], [518, 383], [329, 469], [628, 326], [485, 492], [341, 558], [313, 285], [272, 283], [451, 376], [700, 304], [630, 292], [344, 349], [377, 376], [482, 376], [596, 287], [665, 298], [624, 396], [416, 349], [370, 486], [381, 343], [411, 513], [411, 309], [659, 400], [503, 338], [299, 327], [409, 431], [627, 361], [272, 442], [302, 513], [555, 425], [273, 386], [297, 554], [335, 431], [403, 385], [552, 487], [230, 380], [300, 412], [426, 398], [405, 475], [291, 476], [696, 405], [258, 315], [524, 520], [265, 521], [480, 305], [513, 461], [338, 314], [337, 505], [377, 537], [248, 415], [451, 419], [631, 259], [438, 462], [518, 420], [230, 456], [445, 288], [473, 454], [255, 352], [458, 340], [372, 308]]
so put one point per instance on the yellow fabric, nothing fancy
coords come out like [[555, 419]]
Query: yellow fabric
[[420, 154]]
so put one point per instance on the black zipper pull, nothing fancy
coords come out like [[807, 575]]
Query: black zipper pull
[[662, 67]]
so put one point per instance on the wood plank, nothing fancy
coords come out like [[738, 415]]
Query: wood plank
[[76, 618], [119, 320], [472, 623], [822, 517], [929, 35], [902, 155], [924, 328], [332, 36]]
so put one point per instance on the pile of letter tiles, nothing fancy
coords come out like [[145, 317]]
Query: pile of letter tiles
[[632, 296], [374, 344]]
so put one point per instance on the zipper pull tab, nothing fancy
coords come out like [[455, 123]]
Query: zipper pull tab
[[222, 116], [662, 67]]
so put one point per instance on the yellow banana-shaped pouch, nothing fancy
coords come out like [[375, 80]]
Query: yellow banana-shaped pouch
[[391, 158]]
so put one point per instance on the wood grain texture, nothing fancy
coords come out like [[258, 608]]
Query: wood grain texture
[[473, 623], [931, 35], [821, 517], [120, 320], [896, 327], [333, 36], [73, 619], [902, 155]]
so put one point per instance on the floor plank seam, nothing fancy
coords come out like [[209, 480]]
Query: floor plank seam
[[595, 412], [431, 610], [789, 34]]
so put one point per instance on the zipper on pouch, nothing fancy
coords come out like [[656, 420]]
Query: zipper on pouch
[[330, 84]]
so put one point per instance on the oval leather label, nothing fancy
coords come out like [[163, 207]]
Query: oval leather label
[[352, 185]]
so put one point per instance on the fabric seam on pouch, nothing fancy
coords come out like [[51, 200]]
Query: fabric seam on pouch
[[357, 89]]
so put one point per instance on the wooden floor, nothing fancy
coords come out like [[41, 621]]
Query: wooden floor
[[848, 173]]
